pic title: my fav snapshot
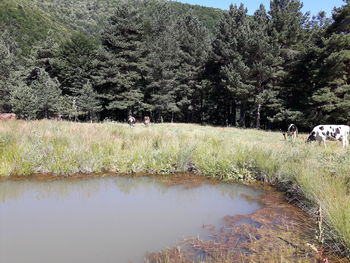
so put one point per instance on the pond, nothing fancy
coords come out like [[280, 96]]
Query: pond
[[110, 219]]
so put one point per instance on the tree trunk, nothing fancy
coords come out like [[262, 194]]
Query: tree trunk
[[233, 114], [258, 116], [242, 115]]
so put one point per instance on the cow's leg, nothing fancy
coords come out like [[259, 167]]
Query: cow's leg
[[320, 140], [284, 135]]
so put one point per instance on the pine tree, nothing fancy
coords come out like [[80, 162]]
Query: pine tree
[[264, 59], [287, 22], [7, 68], [24, 101], [87, 101], [73, 63], [48, 95], [194, 44], [288, 29], [178, 46], [230, 60], [121, 68], [331, 97], [43, 55], [341, 18], [164, 61]]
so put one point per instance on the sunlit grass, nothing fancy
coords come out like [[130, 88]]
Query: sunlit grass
[[64, 148]]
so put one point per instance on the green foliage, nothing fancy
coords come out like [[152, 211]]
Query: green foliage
[[73, 63], [41, 99], [88, 102], [27, 23], [30, 21], [176, 62], [48, 95], [179, 48], [24, 101], [7, 66], [121, 64], [341, 19]]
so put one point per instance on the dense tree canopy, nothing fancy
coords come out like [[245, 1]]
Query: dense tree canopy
[[107, 59]]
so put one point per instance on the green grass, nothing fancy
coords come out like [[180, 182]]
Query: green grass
[[322, 175]]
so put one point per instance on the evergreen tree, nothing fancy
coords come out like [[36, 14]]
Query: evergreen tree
[[24, 101], [288, 29], [73, 64], [87, 101], [230, 56], [341, 17], [264, 61], [7, 67], [178, 45], [43, 55], [48, 95], [287, 22], [194, 44], [331, 97], [121, 67], [164, 61]]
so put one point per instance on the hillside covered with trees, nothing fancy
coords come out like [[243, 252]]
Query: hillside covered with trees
[[105, 59]]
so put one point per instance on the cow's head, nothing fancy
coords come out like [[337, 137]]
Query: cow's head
[[312, 137]]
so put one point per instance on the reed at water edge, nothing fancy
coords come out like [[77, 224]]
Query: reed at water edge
[[318, 176]]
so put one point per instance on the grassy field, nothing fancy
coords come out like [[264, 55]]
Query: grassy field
[[310, 172]]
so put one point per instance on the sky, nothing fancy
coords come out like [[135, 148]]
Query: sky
[[314, 6]]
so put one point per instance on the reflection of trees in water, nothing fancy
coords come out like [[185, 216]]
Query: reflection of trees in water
[[87, 188], [43, 190], [236, 190], [9, 192], [127, 184], [61, 189]]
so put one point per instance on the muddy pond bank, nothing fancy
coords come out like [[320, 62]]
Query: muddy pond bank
[[266, 228]]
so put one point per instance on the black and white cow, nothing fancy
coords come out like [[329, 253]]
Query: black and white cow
[[292, 132], [330, 132], [131, 121]]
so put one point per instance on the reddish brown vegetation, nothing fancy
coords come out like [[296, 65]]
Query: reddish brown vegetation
[[277, 232]]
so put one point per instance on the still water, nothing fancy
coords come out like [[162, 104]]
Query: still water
[[113, 219]]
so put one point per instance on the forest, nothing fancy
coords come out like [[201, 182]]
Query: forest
[[103, 60]]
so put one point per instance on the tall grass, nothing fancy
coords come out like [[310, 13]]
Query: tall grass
[[322, 175]]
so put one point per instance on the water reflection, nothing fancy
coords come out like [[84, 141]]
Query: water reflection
[[114, 219], [87, 188]]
